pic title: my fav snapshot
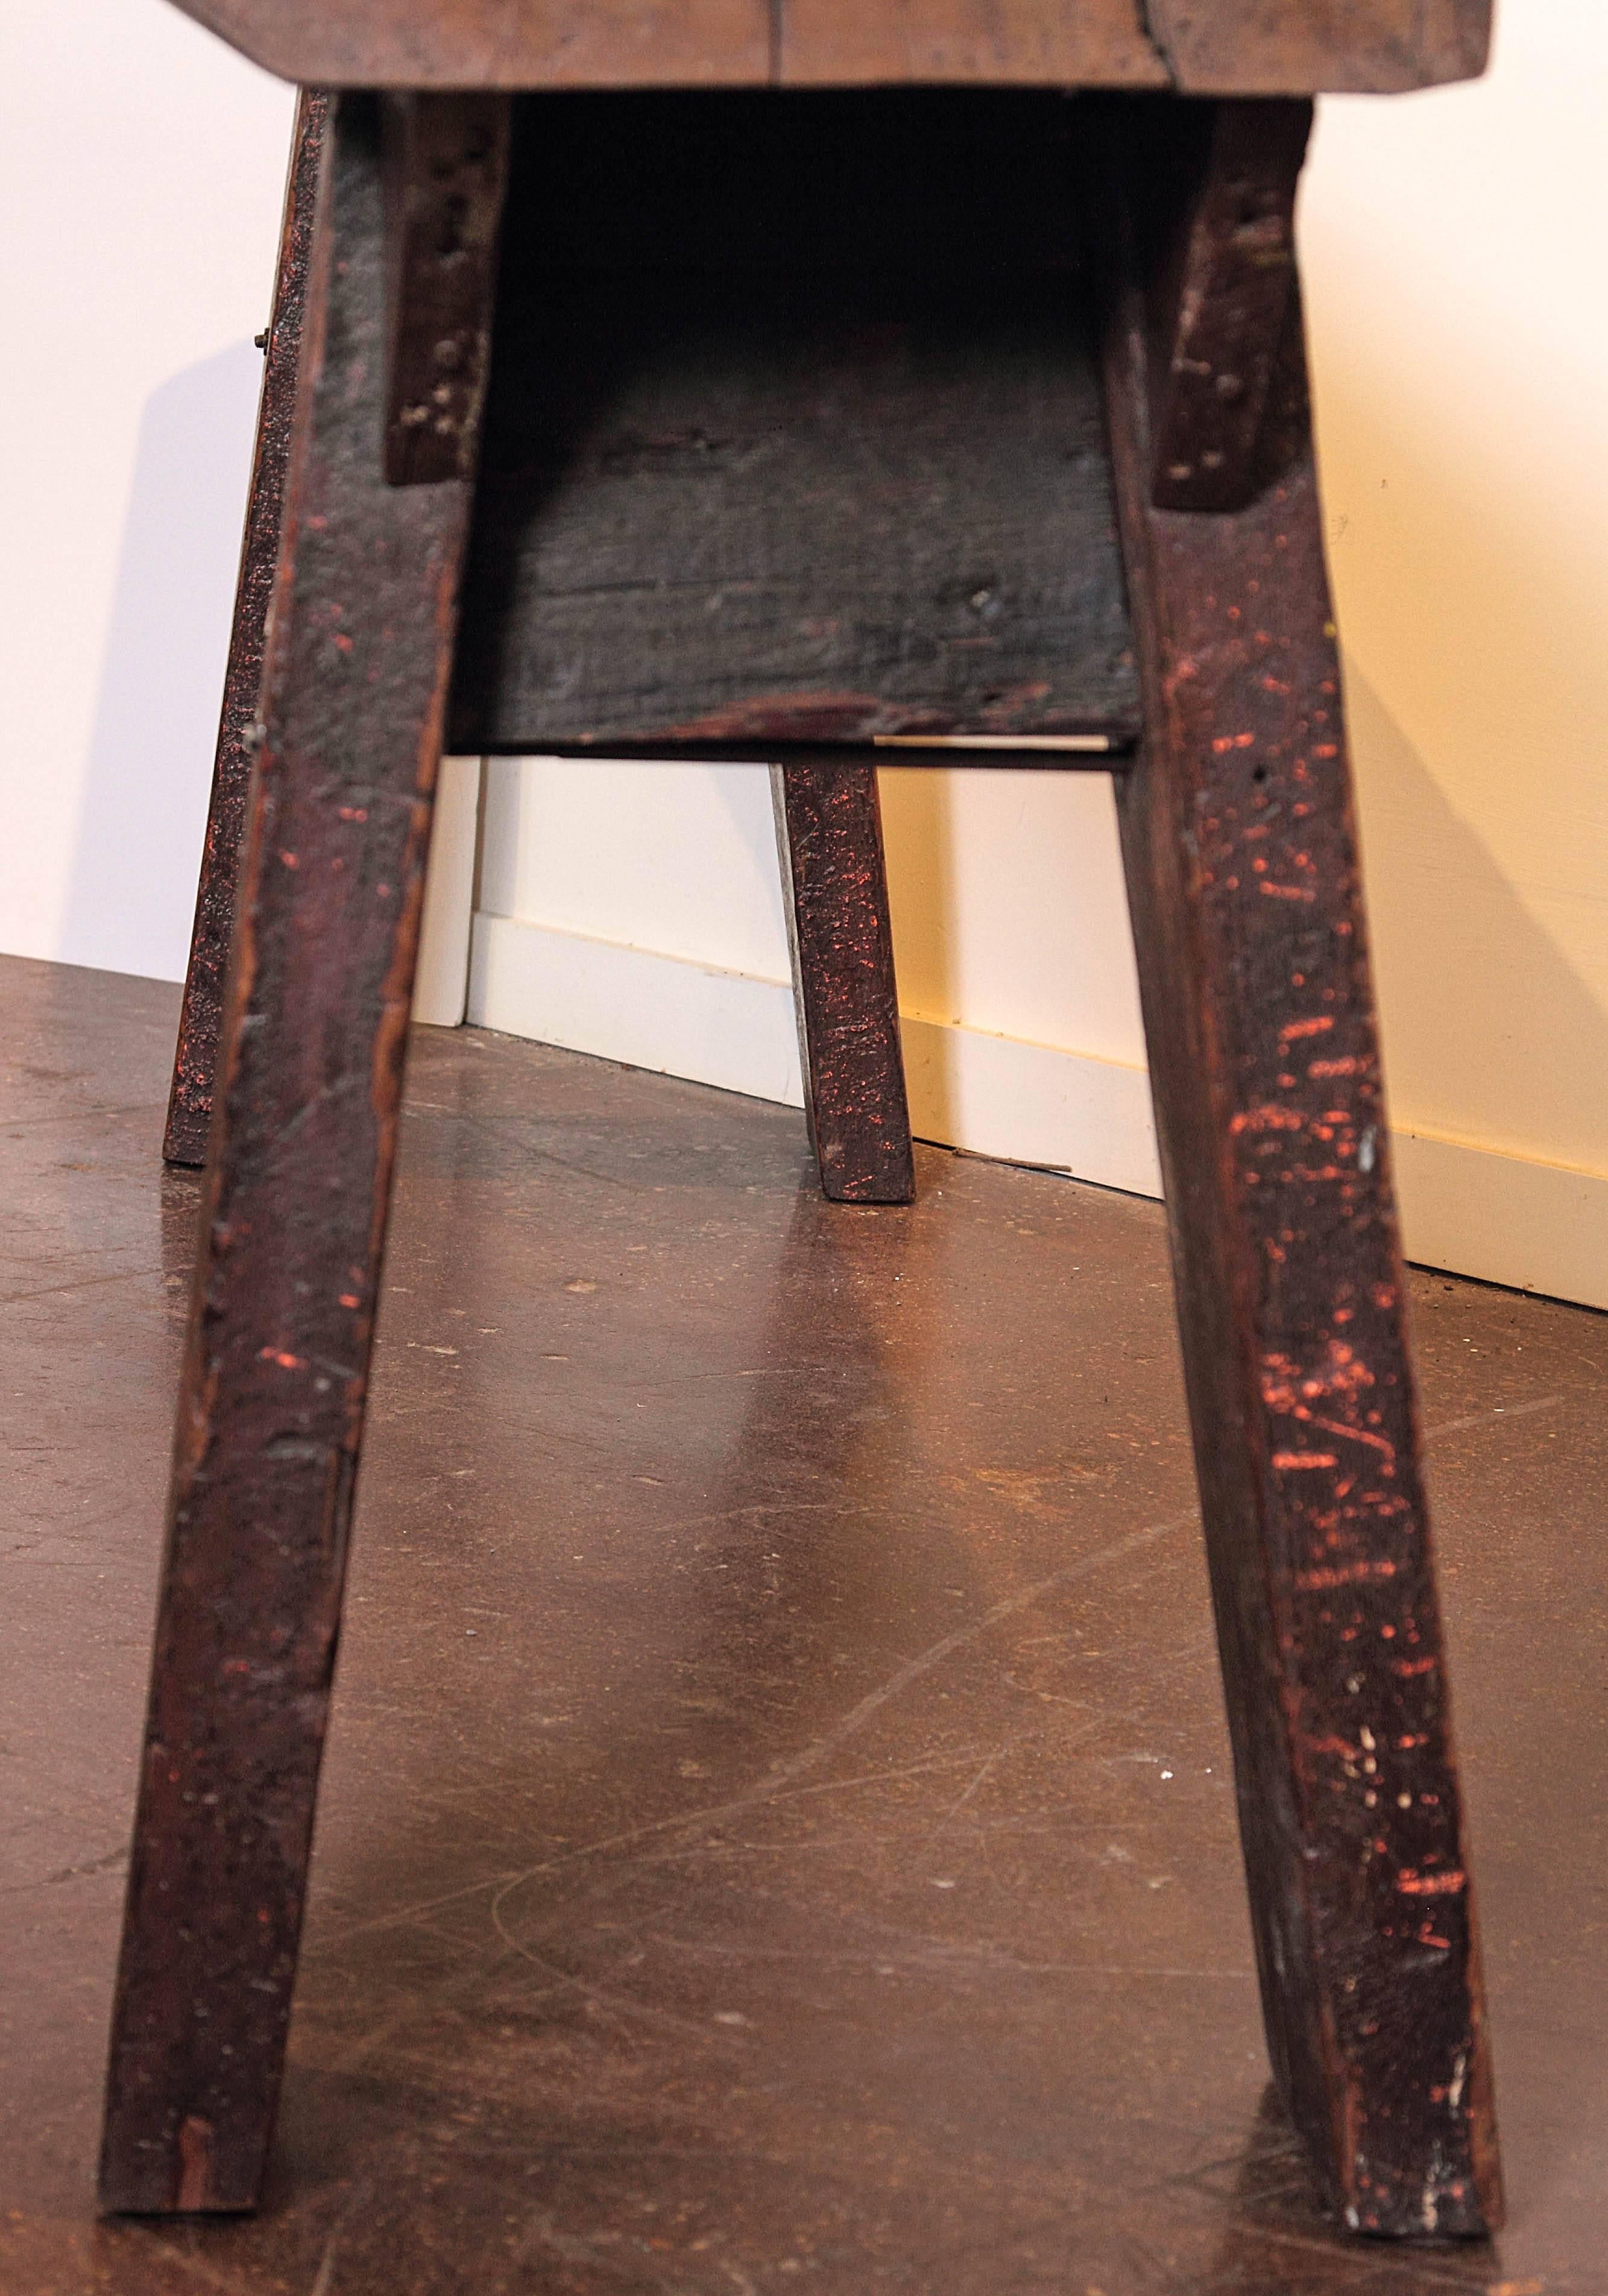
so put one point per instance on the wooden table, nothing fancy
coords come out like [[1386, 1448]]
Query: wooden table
[[854, 396]]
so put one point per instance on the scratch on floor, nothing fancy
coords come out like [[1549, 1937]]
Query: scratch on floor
[[323, 2278], [811, 1756], [606, 2003], [83, 1284], [190, 2260], [926, 1661], [979, 1780], [1484, 1418]]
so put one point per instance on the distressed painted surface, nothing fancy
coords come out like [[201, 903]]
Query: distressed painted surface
[[275, 1383], [1241, 854], [190, 1102]]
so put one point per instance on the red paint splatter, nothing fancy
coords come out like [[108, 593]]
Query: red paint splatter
[[1414, 1885]]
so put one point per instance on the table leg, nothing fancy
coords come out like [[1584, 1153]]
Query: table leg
[[274, 1386], [1241, 855], [829, 835]]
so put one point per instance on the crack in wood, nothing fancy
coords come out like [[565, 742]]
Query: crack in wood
[[1155, 40]]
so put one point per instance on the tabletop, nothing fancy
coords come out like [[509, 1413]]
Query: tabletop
[[1197, 47]]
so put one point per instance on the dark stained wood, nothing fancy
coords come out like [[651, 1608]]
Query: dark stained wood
[[1218, 306], [792, 437], [1241, 857], [445, 172], [275, 1373], [829, 838], [190, 1101], [1240, 48]]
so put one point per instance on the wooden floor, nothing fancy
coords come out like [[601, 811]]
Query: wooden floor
[[777, 1833]]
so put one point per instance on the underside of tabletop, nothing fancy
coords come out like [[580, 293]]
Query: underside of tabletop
[[794, 431], [1199, 47]]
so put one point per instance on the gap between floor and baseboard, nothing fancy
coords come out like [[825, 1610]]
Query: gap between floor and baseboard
[[1470, 1210]]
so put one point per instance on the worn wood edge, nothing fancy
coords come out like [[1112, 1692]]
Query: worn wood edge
[[516, 49], [195, 1054]]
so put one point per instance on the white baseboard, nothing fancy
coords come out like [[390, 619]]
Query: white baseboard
[[1504, 1218], [635, 1005], [1507, 1219], [1031, 1104], [441, 983]]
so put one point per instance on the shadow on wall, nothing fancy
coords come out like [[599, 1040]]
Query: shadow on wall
[[1490, 1034], [918, 833], [1469, 591], [132, 887]]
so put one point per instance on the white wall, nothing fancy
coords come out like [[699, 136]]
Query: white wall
[[1462, 367], [1461, 340], [143, 164], [141, 170]]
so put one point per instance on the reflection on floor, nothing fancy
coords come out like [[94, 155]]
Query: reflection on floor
[[777, 1832]]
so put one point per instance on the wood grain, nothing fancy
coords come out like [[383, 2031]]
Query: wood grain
[[500, 43], [1242, 47], [834, 883], [195, 1058], [275, 1372], [1241, 856], [1090, 42], [1271, 47]]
